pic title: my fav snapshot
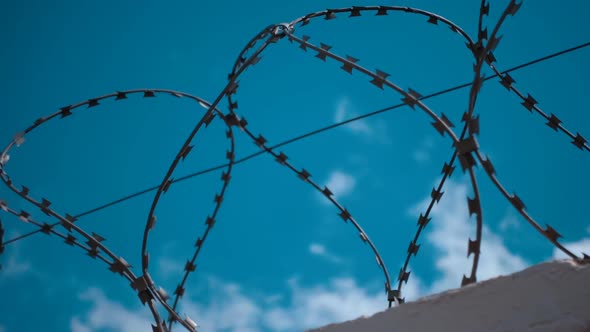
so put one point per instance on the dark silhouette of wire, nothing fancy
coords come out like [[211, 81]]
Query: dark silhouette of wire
[[308, 134]]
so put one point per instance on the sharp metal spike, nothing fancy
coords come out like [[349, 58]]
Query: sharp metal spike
[[282, 158], [189, 266], [185, 151], [392, 295], [447, 169], [467, 281], [304, 175], [210, 221], [403, 276], [70, 240], [517, 202], [467, 161], [46, 228], [355, 12], [413, 248], [474, 206], [472, 247], [551, 233], [553, 122], [579, 141], [260, 141], [485, 8], [179, 291], [507, 81], [92, 103], [329, 15], [436, 194], [66, 111], [474, 125], [483, 34], [229, 155], [529, 103], [490, 58], [323, 52], [488, 167], [24, 216], [467, 145], [439, 127], [379, 79], [225, 177], [423, 221], [513, 7], [25, 191], [348, 66], [345, 215]]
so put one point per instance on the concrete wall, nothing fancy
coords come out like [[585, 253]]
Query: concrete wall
[[553, 296]]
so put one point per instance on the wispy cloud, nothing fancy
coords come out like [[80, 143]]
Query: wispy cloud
[[109, 314], [320, 250], [343, 112], [375, 131], [449, 231], [13, 263], [168, 267], [231, 309], [422, 153], [510, 221], [340, 184]]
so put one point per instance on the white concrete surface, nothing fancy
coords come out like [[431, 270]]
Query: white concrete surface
[[553, 296]]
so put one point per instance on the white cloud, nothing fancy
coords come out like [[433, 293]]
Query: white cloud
[[576, 247], [510, 221], [340, 184], [168, 267], [77, 326], [375, 131], [231, 309], [320, 250], [449, 231], [108, 314], [2, 329], [13, 263], [422, 154], [343, 113]]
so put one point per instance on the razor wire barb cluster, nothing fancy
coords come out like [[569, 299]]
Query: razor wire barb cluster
[[465, 150]]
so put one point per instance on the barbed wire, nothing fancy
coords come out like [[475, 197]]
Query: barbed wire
[[307, 135], [465, 149]]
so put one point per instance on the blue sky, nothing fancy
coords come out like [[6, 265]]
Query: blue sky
[[279, 258]]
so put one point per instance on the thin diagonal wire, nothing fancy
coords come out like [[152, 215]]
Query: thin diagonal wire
[[313, 133]]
